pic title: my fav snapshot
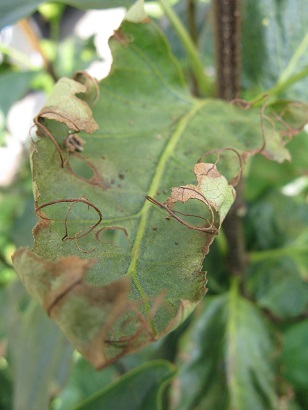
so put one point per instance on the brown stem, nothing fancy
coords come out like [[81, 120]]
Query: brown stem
[[31, 36], [227, 30], [227, 39], [234, 231]]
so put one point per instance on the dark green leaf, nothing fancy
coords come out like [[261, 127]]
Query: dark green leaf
[[279, 240], [225, 359], [39, 353], [83, 382], [138, 389], [295, 355], [11, 11], [273, 31]]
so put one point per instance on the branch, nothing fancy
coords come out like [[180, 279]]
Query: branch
[[227, 29], [227, 39]]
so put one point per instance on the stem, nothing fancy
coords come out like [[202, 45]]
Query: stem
[[34, 41], [227, 39], [204, 83], [191, 17], [227, 31], [301, 49], [192, 28], [18, 56], [234, 231], [281, 86]]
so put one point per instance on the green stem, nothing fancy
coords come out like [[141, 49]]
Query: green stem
[[232, 350], [281, 86], [204, 83], [18, 56], [286, 74], [278, 253]]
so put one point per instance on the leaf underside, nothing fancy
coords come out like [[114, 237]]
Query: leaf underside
[[107, 264]]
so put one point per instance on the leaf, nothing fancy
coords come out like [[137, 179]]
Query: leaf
[[141, 388], [106, 264], [278, 271], [225, 358], [40, 355], [12, 11], [277, 286], [14, 86], [273, 49], [295, 356], [83, 382]]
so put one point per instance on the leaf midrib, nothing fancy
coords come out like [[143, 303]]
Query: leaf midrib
[[153, 188]]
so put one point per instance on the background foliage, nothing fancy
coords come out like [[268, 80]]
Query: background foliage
[[245, 345]]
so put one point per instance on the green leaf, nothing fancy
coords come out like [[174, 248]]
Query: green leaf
[[278, 237], [274, 44], [139, 389], [14, 10], [225, 359], [106, 264], [277, 286], [14, 86], [295, 355], [84, 381], [40, 355]]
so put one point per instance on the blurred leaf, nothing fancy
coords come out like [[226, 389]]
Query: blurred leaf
[[278, 236], [14, 86], [295, 355], [225, 359], [156, 276], [5, 388], [272, 33], [39, 354], [264, 175], [14, 10], [83, 382], [74, 54], [139, 389], [277, 286]]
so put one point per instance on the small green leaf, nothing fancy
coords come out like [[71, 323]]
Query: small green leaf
[[138, 389]]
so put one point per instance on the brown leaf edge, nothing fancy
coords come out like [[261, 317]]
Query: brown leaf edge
[[93, 318]]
